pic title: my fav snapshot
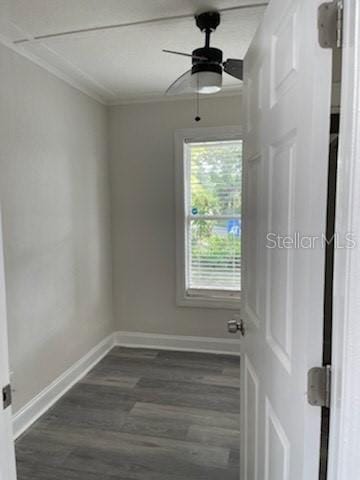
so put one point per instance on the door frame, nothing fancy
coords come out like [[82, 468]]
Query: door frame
[[7, 454], [344, 459]]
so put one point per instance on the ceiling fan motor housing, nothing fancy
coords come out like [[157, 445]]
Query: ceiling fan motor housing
[[213, 62]]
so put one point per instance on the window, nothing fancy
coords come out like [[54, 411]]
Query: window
[[209, 165]]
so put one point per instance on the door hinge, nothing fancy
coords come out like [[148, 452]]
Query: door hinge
[[330, 24], [6, 396], [319, 386]]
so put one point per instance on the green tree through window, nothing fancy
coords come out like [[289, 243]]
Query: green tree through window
[[214, 209]]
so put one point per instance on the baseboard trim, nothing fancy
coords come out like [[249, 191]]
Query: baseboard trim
[[45, 399], [223, 346]]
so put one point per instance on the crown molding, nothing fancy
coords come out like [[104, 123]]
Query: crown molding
[[77, 84]]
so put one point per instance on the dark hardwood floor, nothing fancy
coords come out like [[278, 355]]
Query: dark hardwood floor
[[141, 415]]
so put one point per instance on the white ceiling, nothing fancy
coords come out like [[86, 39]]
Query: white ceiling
[[122, 64]]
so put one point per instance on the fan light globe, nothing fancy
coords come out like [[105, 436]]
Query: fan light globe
[[206, 82]]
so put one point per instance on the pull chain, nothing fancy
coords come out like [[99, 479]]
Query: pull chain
[[197, 118]]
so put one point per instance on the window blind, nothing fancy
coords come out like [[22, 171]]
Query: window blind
[[213, 215]]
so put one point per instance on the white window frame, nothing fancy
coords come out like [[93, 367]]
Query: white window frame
[[184, 297]]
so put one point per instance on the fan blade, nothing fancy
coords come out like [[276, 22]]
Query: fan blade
[[181, 85], [197, 57], [235, 68]]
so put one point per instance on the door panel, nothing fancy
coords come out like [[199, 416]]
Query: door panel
[[7, 458], [280, 263], [287, 89]]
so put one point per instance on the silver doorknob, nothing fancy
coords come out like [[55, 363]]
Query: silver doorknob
[[235, 326]]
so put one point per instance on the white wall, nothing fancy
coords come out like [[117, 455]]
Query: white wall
[[142, 176], [54, 195]]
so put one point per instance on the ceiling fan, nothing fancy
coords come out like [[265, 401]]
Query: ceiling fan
[[205, 75]]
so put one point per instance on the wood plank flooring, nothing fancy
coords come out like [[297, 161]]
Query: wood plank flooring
[[141, 415]]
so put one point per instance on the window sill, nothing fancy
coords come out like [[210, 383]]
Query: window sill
[[208, 301]]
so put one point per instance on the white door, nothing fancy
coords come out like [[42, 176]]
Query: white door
[[7, 457], [287, 92]]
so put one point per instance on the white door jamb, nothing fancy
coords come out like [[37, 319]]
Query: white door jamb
[[344, 458]]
